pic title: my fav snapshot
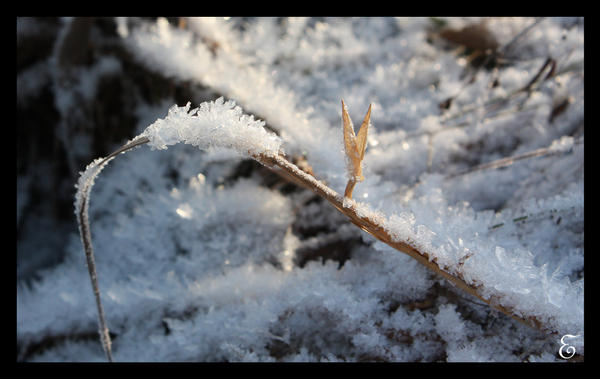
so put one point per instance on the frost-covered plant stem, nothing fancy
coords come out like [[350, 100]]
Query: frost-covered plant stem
[[223, 125], [376, 228], [81, 211], [86, 240]]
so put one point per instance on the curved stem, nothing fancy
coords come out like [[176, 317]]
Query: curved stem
[[373, 227], [279, 164], [82, 205], [86, 239]]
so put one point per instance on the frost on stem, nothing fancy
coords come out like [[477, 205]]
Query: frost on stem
[[82, 199], [222, 124], [84, 187], [213, 124]]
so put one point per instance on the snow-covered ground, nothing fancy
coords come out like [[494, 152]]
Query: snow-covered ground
[[202, 256]]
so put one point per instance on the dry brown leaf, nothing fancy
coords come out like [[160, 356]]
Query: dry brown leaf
[[361, 138], [355, 147], [350, 142]]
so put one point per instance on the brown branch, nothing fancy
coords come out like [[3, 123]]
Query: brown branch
[[279, 164], [287, 169]]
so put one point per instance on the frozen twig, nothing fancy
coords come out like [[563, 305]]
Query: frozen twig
[[375, 227], [82, 198], [222, 124], [84, 188]]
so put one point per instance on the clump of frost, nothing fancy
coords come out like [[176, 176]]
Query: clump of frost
[[563, 144], [213, 124]]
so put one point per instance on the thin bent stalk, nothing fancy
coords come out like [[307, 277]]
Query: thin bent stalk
[[280, 165], [289, 170], [86, 239]]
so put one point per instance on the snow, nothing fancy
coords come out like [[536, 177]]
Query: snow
[[215, 124], [564, 144], [205, 266]]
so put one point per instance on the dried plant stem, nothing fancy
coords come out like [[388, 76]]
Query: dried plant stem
[[280, 165], [288, 170], [349, 188], [86, 240]]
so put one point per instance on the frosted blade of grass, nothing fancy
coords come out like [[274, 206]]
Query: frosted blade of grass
[[84, 187], [223, 125], [379, 226]]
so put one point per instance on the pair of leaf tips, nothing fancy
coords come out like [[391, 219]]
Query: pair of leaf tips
[[355, 146], [360, 139]]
